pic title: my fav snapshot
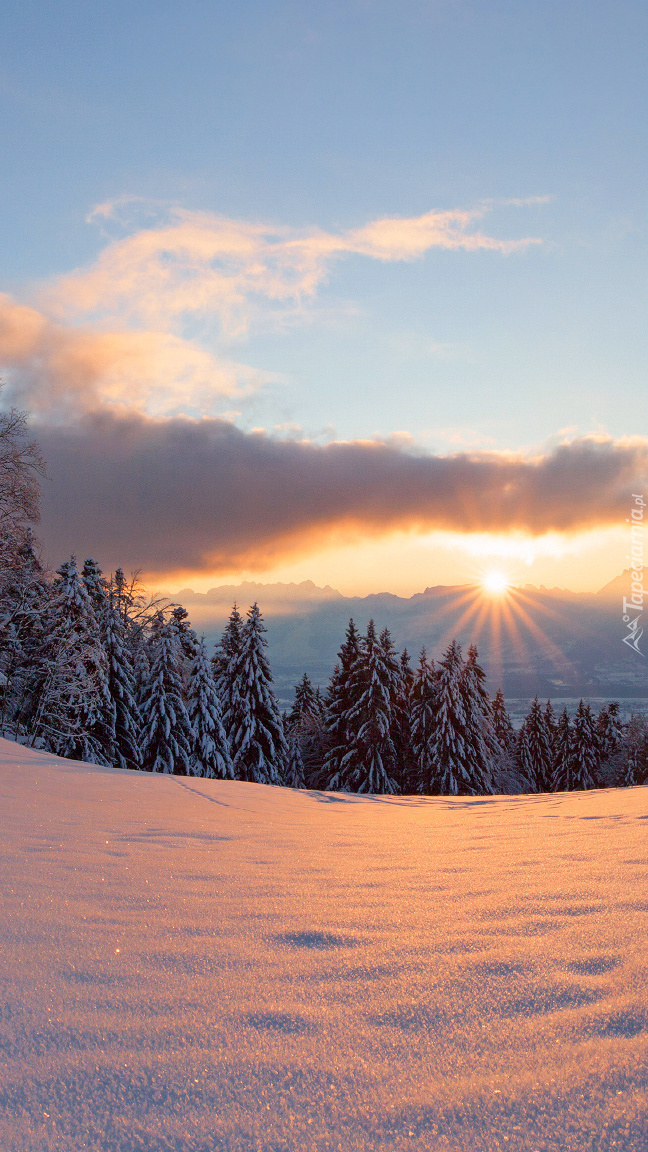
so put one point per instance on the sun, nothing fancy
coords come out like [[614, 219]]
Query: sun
[[495, 583]]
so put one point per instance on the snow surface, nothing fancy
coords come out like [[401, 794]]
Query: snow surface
[[196, 965]]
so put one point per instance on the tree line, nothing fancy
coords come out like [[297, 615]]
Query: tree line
[[93, 670]]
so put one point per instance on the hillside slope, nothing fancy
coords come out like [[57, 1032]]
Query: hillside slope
[[195, 965]]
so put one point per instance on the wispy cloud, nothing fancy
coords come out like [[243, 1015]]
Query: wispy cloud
[[185, 264], [149, 324], [60, 371]]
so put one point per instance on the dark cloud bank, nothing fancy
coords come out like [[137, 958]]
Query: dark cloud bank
[[202, 495]]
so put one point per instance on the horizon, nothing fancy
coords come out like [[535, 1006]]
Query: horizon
[[350, 294]]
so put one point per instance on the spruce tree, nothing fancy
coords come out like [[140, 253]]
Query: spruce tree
[[122, 687], [452, 775], [562, 780], [257, 740], [341, 699], [223, 664], [167, 737], [609, 733], [295, 773], [402, 724], [481, 743], [186, 639], [422, 725], [634, 751], [506, 778], [502, 724], [73, 717], [535, 749], [369, 765], [305, 726], [210, 754], [585, 760], [24, 602]]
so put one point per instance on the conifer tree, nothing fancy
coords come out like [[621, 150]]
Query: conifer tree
[[422, 725], [23, 631], [74, 703], [481, 743], [295, 773], [210, 754], [502, 725], [551, 723], [506, 777], [452, 776], [223, 664], [305, 726], [535, 750], [402, 723], [305, 705], [341, 700], [585, 759], [609, 733], [562, 780], [186, 638], [257, 740], [634, 752], [369, 765], [167, 737], [122, 687]]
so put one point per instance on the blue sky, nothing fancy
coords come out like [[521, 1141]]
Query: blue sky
[[323, 118]]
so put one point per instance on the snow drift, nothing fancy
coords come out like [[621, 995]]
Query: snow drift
[[198, 965]]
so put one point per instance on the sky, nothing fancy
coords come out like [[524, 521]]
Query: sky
[[347, 291]]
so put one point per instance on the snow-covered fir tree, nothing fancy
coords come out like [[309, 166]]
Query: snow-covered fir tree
[[210, 754], [633, 760], [75, 715], [305, 725], [502, 723], [585, 760], [186, 639], [562, 780], [401, 723], [481, 743], [254, 724], [223, 663], [122, 687], [369, 764], [452, 773], [422, 725], [535, 752], [506, 777], [295, 776], [24, 598], [167, 736], [609, 734], [341, 700]]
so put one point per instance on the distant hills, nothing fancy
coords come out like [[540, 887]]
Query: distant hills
[[547, 640]]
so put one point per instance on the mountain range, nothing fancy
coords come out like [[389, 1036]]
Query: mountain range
[[551, 641]]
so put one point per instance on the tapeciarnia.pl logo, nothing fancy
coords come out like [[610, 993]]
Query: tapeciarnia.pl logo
[[633, 606]]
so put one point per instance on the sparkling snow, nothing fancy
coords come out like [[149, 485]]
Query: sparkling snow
[[197, 965]]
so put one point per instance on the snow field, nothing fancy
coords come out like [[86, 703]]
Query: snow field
[[194, 965]]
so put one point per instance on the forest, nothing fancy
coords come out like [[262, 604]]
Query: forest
[[93, 669]]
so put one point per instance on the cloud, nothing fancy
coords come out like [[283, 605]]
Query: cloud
[[200, 495], [59, 371], [236, 273], [144, 326]]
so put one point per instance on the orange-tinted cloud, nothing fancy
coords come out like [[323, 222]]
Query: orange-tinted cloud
[[233, 272], [183, 495], [140, 328], [60, 371]]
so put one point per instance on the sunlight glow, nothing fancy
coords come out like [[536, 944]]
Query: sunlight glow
[[495, 582]]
